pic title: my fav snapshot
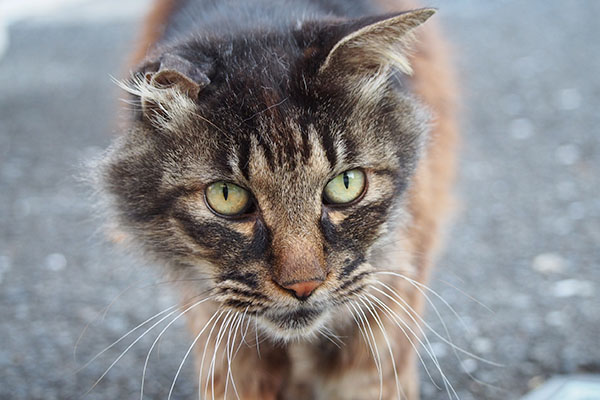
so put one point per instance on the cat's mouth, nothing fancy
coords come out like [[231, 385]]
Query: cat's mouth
[[294, 323]]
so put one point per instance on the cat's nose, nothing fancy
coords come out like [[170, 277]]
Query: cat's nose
[[302, 290]]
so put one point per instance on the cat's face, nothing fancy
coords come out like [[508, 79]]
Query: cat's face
[[269, 170]]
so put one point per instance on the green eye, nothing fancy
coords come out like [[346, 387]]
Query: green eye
[[345, 188], [227, 199]]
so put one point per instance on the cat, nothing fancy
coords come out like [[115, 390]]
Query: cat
[[291, 165]]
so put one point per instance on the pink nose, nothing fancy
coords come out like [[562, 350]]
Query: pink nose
[[303, 289]]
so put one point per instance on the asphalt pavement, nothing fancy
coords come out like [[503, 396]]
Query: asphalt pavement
[[521, 265]]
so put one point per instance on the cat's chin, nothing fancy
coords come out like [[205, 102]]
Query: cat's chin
[[300, 323]]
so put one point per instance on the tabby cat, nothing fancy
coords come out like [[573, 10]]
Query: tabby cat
[[290, 163]]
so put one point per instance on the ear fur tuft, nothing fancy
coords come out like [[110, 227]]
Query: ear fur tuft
[[167, 88], [378, 45]]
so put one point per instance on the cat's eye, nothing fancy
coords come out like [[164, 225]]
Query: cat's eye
[[227, 199], [345, 188]]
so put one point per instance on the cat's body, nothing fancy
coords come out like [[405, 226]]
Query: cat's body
[[279, 98]]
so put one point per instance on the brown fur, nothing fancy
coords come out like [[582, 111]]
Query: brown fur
[[431, 200], [153, 28], [349, 373]]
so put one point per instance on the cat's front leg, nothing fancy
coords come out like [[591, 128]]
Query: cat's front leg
[[231, 368], [365, 370], [366, 384]]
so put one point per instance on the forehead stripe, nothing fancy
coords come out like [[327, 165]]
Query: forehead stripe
[[329, 146]]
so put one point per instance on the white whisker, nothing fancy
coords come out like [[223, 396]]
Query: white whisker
[[371, 310], [133, 344], [426, 346], [125, 335], [442, 338], [455, 348], [333, 335], [363, 333], [229, 352], [376, 349], [220, 335], [243, 334], [160, 335], [467, 295], [326, 336], [217, 314], [214, 325], [256, 335], [403, 327], [417, 285]]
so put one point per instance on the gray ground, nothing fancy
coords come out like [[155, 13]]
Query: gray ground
[[525, 243]]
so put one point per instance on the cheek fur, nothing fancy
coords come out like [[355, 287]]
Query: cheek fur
[[228, 243], [356, 227]]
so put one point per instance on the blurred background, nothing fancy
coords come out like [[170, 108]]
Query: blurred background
[[521, 265]]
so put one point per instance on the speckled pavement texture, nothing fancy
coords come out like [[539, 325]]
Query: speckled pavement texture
[[521, 266]]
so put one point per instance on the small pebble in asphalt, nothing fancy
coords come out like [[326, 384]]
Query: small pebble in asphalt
[[56, 262], [573, 287], [548, 263], [569, 99]]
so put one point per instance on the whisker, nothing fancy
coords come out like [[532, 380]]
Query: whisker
[[220, 336], [224, 322], [209, 122], [243, 335], [127, 334], [467, 295], [403, 326], [160, 335], [133, 343], [333, 335], [328, 338], [439, 336], [418, 285], [214, 325], [380, 366], [360, 329], [228, 352], [428, 348], [448, 341], [232, 354], [399, 391], [217, 314], [256, 335], [103, 314]]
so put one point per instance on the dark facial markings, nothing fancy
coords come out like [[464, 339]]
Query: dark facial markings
[[245, 293], [248, 306], [359, 229], [216, 237], [249, 279], [350, 267], [243, 155], [352, 281], [329, 146], [295, 319]]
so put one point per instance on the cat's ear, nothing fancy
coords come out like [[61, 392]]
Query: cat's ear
[[176, 72], [374, 44], [168, 87]]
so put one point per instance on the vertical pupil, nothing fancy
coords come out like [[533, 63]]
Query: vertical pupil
[[346, 180], [225, 191]]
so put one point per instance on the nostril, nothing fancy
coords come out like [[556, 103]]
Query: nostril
[[302, 290]]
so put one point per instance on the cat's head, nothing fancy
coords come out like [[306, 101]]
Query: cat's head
[[270, 165]]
